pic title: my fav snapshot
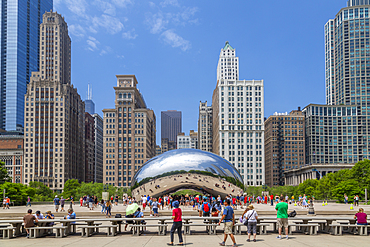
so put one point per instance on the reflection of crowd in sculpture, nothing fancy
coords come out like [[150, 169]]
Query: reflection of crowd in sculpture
[[188, 178]]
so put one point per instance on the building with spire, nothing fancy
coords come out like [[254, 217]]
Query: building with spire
[[19, 54], [54, 149], [238, 112], [89, 103]]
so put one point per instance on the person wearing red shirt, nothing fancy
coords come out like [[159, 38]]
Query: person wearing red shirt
[[177, 223], [272, 200], [234, 203]]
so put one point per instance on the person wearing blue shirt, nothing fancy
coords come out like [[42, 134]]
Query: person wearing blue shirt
[[139, 214], [56, 203], [229, 221]]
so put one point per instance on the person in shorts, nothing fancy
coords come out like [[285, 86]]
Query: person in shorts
[[229, 222], [252, 218], [62, 201], [56, 203], [155, 207], [282, 217]]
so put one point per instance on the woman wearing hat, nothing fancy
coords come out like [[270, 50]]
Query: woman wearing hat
[[252, 217], [177, 222]]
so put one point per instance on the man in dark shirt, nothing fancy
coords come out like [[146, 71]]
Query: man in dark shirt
[[62, 201], [28, 220], [56, 203]]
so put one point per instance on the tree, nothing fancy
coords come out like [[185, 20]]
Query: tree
[[42, 192], [350, 187], [4, 177], [70, 188]]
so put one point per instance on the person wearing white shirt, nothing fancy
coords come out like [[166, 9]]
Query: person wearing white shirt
[[252, 218], [38, 215]]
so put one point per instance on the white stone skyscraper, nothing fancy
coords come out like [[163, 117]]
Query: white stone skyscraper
[[228, 64], [238, 113]]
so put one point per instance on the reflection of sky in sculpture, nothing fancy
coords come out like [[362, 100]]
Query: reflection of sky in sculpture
[[186, 159]]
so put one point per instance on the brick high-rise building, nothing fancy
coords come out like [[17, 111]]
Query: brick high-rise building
[[284, 145], [89, 148], [11, 153], [98, 139], [129, 133], [54, 112]]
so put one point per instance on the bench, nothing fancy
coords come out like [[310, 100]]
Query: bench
[[310, 228], [73, 226], [86, 232], [336, 229], [273, 222], [162, 228], [322, 224], [362, 229], [7, 232], [35, 232], [210, 228], [261, 228]]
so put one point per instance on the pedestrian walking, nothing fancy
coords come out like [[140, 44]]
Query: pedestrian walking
[[251, 216], [282, 217], [228, 218], [56, 203], [177, 223], [28, 201], [108, 207]]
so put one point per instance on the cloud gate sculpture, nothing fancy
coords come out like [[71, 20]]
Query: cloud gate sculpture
[[187, 169]]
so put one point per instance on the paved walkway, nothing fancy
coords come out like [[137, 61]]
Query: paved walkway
[[192, 240]]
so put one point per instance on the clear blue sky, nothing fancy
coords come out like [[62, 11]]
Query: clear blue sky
[[172, 47]]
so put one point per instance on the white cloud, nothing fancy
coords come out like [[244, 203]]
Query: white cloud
[[170, 2], [122, 3], [77, 7], [156, 23], [106, 7], [129, 34], [111, 24], [173, 39], [120, 56], [56, 4], [92, 44], [106, 50], [77, 30]]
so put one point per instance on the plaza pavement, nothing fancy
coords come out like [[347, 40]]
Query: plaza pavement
[[320, 240], [262, 209]]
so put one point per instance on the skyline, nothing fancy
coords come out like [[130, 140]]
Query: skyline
[[296, 55]]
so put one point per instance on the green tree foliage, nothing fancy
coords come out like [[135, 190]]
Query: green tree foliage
[[333, 186], [4, 177], [70, 188], [42, 192], [17, 193]]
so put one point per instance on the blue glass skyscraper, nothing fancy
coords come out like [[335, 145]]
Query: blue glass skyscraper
[[19, 39]]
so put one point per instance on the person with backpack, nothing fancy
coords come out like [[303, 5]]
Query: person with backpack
[[206, 209], [228, 218], [251, 218]]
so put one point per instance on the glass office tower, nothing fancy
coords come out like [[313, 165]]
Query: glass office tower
[[19, 38], [347, 52]]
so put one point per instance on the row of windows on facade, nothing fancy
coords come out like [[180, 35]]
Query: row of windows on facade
[[232, 109], [241, 158], [231, 93], [124, 161], [258, 88]]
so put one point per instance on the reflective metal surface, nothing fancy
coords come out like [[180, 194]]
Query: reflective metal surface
[[187, 168]]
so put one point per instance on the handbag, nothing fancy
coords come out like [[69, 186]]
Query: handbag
[[246, 220]]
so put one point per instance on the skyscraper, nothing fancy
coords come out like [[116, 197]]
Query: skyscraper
[[98, 169], [238, 110], [129, 133], [54, 112], [347, 54], [19, 39], [205, 127], [171, 125], [89, 103], [284, 145]]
